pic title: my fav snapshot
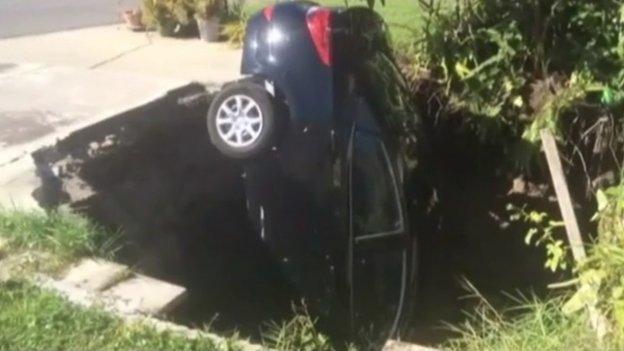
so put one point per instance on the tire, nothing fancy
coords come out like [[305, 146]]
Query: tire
[[242, 120]]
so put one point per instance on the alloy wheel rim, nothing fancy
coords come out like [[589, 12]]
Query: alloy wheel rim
[[239, 121]]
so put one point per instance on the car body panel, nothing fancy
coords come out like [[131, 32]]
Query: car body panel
[[352, 118]]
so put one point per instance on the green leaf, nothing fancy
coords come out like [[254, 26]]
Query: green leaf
[[529, 235], [607, 97], [618, 313], [601, 200], [585, 296]]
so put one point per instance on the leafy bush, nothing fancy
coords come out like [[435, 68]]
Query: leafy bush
[[170, 17], [512, 67], [235, 23], [543, 231], [601, 276], [234, 31]]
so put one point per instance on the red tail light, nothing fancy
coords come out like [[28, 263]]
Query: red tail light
[[319, 25], [268, 13]]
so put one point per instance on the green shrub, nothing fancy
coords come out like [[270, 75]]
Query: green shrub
[[509, 68], [234, 31], [601, 275], [169, 17]]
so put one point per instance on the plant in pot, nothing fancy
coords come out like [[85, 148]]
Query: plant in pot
[[172, 18], [235, 25], [207, 15]]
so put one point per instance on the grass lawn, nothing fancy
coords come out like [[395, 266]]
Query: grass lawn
[[403, 16], [65, 235], [32, 319], [35, 319]]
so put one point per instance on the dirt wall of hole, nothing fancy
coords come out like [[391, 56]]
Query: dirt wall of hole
[[179, 207]]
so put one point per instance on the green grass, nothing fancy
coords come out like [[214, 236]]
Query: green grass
[[33, 319], [63, 234], [404, 17], [533, 325]]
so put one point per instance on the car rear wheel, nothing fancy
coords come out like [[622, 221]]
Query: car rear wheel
[[242, 120]]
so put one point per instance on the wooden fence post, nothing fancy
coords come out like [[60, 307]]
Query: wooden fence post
[[563, 195], [598, 321]]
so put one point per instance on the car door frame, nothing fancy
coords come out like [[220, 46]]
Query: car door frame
[[401, 235]]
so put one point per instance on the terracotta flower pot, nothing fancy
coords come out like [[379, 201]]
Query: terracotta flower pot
[[133, 19]]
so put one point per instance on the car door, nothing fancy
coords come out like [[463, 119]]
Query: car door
[[378, 249]]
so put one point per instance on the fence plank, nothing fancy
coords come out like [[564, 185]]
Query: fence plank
[[563, 195]]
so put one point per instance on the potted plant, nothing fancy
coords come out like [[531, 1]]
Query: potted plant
[[207, 17], [170, 17]]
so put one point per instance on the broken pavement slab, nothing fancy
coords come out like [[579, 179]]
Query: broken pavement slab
[[41, 104], [96, 275], [135, 300], [146, 295], [123, 290]]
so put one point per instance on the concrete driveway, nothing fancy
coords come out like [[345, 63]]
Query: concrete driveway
[[117, 49]]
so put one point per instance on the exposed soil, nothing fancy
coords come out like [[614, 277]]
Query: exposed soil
[[179, 207]]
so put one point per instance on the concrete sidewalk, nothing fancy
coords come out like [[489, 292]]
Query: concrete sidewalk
[[55, 84], [114, 48], [41, 104]]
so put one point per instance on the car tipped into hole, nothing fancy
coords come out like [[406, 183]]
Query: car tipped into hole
[[330, 144]]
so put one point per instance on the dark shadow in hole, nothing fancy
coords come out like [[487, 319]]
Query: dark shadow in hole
[[180, 207]]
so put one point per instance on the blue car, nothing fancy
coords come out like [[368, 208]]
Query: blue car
[[331, 146]]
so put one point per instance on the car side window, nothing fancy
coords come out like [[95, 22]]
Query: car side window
[[375, 196]]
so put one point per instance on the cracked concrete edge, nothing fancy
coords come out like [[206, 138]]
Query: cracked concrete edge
[[9, 157], [88, 299]]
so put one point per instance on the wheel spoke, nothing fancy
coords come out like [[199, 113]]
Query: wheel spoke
[[239, 104], [229, 133], [251, 132], [239, 136], [223, 121], [254, 121], [228, 111], [249, 107]]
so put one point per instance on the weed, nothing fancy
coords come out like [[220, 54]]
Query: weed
[[533, 324], [299, 333]]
